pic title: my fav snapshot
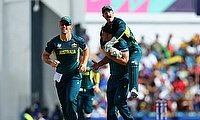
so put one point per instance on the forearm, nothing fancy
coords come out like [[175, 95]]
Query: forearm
[[103, 61], [86, 54], [46, 58]]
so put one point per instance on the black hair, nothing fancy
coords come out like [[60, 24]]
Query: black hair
[[108, 29]]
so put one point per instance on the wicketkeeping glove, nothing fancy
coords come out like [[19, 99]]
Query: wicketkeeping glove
[[119, 54], [109, 44], [115, 52]]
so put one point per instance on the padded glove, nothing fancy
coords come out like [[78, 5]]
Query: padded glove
[[115, 52], [109, 44]]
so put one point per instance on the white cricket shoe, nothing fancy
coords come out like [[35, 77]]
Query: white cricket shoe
[[134, 93]]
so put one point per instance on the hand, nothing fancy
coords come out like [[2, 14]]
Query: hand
[[118, 54], [96, 88], [95, 66], [55, 63], [109, 44], [115, 52], [82, 68]]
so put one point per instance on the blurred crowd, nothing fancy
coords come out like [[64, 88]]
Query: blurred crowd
[[166, 73], [171, 74], [38, 112]]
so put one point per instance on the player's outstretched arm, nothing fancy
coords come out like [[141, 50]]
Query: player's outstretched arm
[[96, 65]]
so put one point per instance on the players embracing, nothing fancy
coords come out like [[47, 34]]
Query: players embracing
[[121, 30], [123, 54]]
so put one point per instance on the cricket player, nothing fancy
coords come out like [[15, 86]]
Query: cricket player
[[89, 85], [66, 50], [121, 30], [117, 87]]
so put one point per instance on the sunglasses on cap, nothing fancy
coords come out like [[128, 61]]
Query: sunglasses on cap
[[64, 23]]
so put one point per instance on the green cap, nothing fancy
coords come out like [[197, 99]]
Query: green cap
[[107, 7], [66, 18]]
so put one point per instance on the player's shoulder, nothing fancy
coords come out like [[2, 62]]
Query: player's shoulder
[[117, 19], [122, 43], [121, 40], [77, 38], [55, 38]]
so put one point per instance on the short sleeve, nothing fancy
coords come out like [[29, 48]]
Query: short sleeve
[[50, 46], [123, 45]]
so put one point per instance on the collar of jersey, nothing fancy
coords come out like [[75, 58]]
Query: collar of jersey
[[62, 39]]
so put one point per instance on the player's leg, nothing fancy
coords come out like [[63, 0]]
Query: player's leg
[[61, 87], [80, 102], [112, 111], [133, 69], [72, 91], [120, 99], [88, 103]]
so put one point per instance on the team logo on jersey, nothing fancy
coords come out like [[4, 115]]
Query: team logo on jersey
[[74, 45], [59, 46]]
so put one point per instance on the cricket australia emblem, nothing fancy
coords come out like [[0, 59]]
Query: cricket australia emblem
[[74, 45]]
